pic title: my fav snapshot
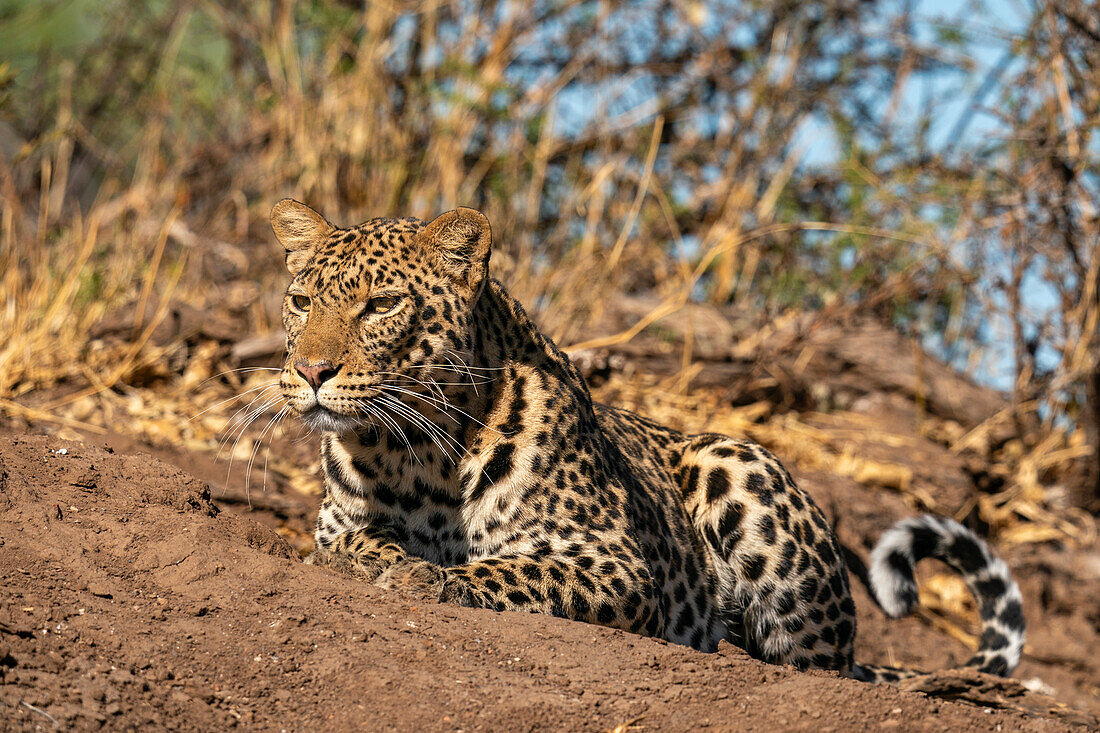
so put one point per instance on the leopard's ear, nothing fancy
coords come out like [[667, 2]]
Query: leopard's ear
[[460, 240], [299, 229]]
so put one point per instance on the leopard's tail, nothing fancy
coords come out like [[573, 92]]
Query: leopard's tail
[[999, 602]]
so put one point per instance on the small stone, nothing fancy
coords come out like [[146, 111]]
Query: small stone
[[99, 589]]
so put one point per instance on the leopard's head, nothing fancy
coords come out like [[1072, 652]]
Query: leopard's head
[[378, 304]]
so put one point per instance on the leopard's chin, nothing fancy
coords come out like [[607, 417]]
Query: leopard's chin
[[325, 420]]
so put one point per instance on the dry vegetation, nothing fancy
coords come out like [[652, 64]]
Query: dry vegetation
[[653, 152]]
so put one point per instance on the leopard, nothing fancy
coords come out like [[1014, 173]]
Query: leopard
[[464, 461]]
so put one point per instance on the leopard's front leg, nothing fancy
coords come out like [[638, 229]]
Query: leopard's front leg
[[608, 594], [362, 553]]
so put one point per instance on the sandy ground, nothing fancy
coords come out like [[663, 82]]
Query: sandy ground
[[129, 600]]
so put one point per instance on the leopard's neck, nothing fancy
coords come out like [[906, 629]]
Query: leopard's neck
[[504, 336]]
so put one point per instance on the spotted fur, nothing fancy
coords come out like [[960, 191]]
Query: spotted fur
[[999, 602], [464, 460]]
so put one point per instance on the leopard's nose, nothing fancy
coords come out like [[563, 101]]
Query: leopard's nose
[[316, 374]]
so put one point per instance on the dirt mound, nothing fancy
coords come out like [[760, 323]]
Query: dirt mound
[[129, 599]]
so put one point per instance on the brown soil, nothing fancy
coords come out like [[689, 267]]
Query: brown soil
[[130, 599]]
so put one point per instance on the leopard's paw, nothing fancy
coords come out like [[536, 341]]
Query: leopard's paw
[[457, 590], [416, 577], [363, 567], [320, 557]]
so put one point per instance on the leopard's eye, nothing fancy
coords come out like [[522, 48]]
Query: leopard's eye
[[300, 303], [381, 305]]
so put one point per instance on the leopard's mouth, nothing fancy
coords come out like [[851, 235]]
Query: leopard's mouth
[[326, 420]]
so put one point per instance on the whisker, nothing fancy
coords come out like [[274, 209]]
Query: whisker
[[442, 405], [241, 370], [251, 418], [391, 425], [260, 394], [449, 405], [450, 447], [242, 427], [457, 358], [252, 454], [302, 437], [434, 432], [235, 422], [267, 454], [422, 420], [467, 369], [433, 384], [460, 358], [453, 367], [263, 385]]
